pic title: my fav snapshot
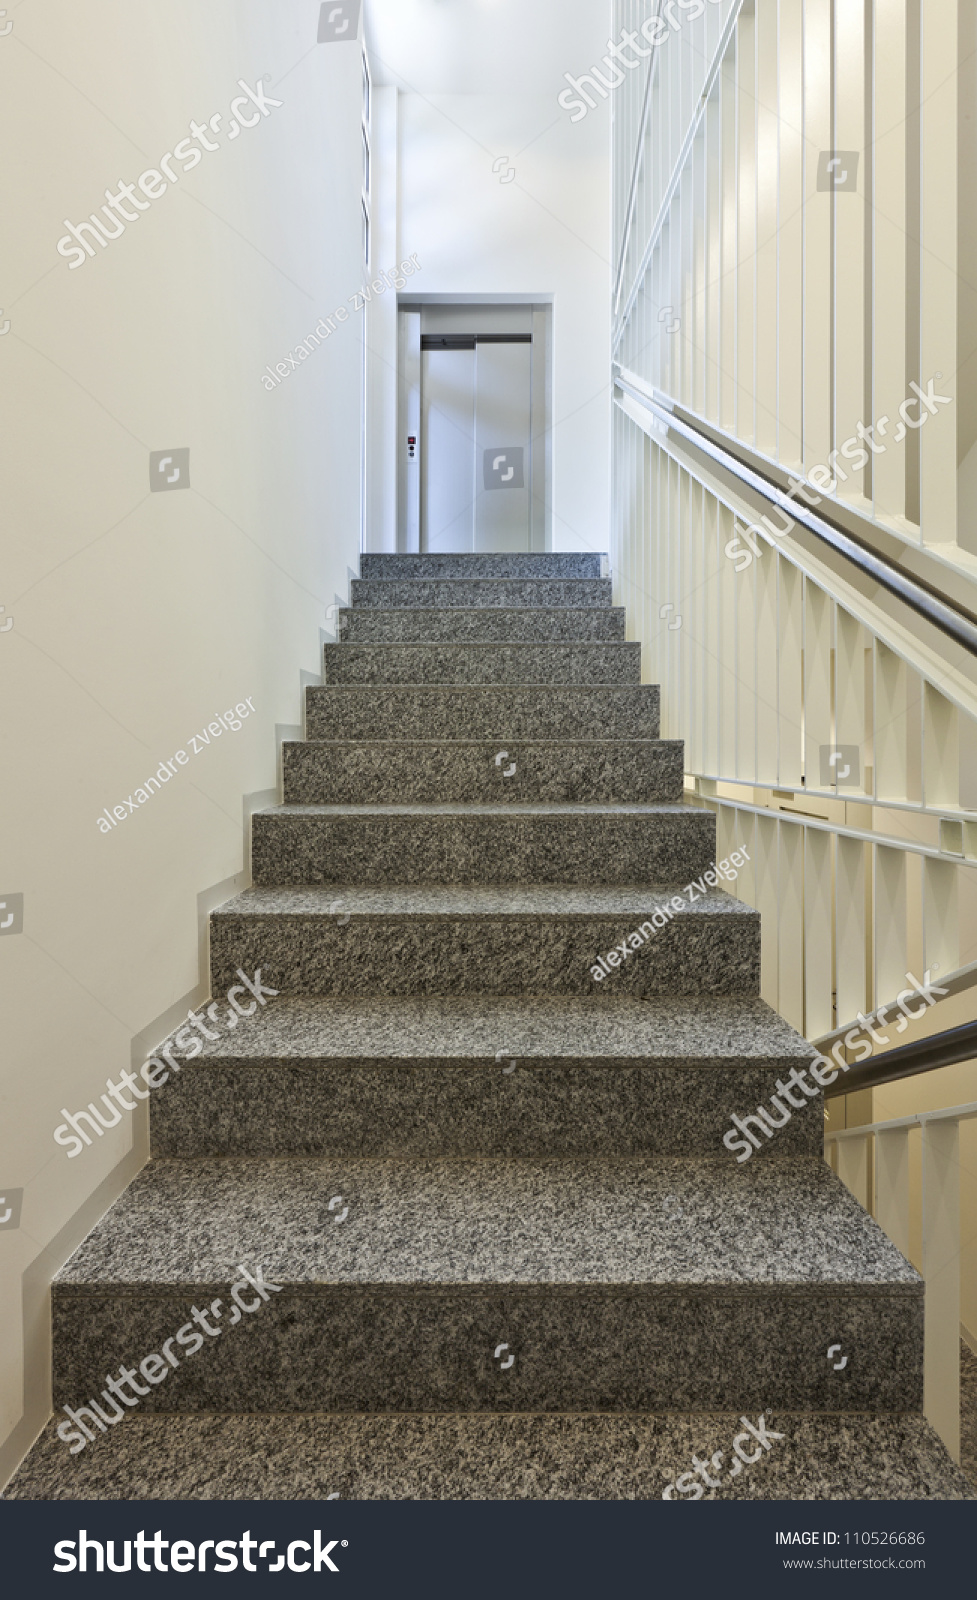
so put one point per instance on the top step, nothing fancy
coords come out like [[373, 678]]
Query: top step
[[512, 565]]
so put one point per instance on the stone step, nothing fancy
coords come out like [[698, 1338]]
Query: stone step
[[482, 664], [484, 625], [314, 1456], [535, 711], [464, 844], [504, 593], [431, 772], [341, 940], [500, 1286], [514, 564], [484, 1077], [480, 1456]]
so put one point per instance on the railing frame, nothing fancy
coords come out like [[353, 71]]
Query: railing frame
[[941, 1234]]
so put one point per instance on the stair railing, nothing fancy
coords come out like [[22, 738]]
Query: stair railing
[[889, 1203]]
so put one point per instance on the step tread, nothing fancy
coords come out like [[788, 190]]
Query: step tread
[[550, 563], [678, 1223], [453, 745], [628, 647], [542, 690], [456, 581], [451, 901], [522, 808], [478, 1456], [501, 593], [617, 1031], [520, 616]]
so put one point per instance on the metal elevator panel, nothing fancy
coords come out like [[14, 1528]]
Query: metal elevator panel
[[447, 449], [476, 442]]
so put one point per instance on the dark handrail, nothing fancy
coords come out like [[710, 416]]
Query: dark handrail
[[925, 1055], [922, 597]]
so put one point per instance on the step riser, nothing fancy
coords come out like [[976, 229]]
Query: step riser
[[373, 1349], [482, 664], [430, 1110], [449, 955], [508, 593], [631, 772], [486, 626], [441, 713], [469, 849], [514, 565]]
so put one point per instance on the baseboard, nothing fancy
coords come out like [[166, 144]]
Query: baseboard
[[36, 1305]]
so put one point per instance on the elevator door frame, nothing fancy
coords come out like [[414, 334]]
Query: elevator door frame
[[485, 322]]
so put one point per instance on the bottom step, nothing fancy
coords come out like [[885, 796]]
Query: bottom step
[[523, 1457]]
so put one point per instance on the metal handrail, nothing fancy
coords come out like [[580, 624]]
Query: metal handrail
[[945, 1049], [954, 620]]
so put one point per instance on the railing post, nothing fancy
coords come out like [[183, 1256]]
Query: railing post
[[941, 1270], [853, 1167], [892, 1185]]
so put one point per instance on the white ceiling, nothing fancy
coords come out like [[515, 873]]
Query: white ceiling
[[521, 47]]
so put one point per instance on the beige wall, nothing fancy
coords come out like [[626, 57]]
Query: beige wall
[[138, 616]]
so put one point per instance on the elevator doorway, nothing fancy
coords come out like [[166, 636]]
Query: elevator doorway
[[474, 428]]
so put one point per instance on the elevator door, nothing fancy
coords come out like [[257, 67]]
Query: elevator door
[[476, 442]]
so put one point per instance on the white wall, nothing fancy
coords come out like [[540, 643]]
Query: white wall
[[544, 234], [137, 616]]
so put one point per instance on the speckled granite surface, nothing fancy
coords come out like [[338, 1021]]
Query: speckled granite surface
[[502, 593], [610, 1030], [484, 1078], [535, 712], [486, 1457], [426, 624], [968, 1413], [435, 1110], [399, 772], [616, 1285], [481, 663], [377, 1348], [454, 941], [543, 844], [671, 1223], [499, 1154], [512, 564]]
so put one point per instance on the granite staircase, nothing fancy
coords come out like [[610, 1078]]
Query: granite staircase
[[512, 1256]]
